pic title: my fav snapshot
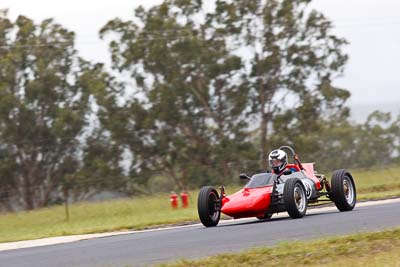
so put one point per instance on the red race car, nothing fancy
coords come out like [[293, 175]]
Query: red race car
[[268, 193]]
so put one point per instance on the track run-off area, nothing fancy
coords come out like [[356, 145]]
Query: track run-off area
[[139, 248]]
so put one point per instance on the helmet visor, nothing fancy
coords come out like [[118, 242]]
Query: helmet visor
[[276, 162]]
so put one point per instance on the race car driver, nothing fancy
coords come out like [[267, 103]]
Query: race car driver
[[278, 161]]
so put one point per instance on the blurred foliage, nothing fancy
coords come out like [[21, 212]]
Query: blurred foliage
[[193, 100], [45, 101]]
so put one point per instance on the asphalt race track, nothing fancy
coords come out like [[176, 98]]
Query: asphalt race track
[[147, 248]]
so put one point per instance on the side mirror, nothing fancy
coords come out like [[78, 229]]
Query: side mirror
[[244, 176]]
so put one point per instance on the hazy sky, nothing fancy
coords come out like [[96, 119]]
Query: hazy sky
[[371, 26]]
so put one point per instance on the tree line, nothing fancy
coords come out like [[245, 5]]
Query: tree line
[[194, 96]]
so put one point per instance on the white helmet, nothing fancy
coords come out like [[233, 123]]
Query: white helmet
[[277, 160]]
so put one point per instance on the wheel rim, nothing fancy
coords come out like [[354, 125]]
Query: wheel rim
[[212, 206], [348, 190], [299, 198]]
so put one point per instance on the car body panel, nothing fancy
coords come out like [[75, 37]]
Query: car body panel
[[309, 170], [248, 202]]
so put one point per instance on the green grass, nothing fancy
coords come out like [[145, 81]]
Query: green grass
[[377, 184], [151, 211], [381, 179], [367, 249], [137, 213]]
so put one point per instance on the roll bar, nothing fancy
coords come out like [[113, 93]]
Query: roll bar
[[295, 156]]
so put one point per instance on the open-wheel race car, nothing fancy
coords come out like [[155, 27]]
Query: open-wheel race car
[[291, 191]]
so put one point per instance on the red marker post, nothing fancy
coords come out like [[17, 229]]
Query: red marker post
[[174, 200], [185, 199]]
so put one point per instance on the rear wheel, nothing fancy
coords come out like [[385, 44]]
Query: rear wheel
[[295, 198], [208, 206], [343, 190]]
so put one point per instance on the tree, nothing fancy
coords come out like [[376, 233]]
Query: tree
[[190, 114], [293, 62], [377, 142], [100, 163], [373, 143], [203, 89], [44, 108]]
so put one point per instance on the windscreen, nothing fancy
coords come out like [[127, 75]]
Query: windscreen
[[260, 180]]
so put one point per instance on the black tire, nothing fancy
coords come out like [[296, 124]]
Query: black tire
[[343, 190], [266, 216], [295, 198], [208, 206]]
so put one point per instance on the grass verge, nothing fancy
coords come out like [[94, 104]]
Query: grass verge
[[150, 211], [137, 213], [367, 249]]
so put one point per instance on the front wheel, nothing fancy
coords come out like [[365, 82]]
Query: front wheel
[[343, 190], [208, 206], [295, 198]]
